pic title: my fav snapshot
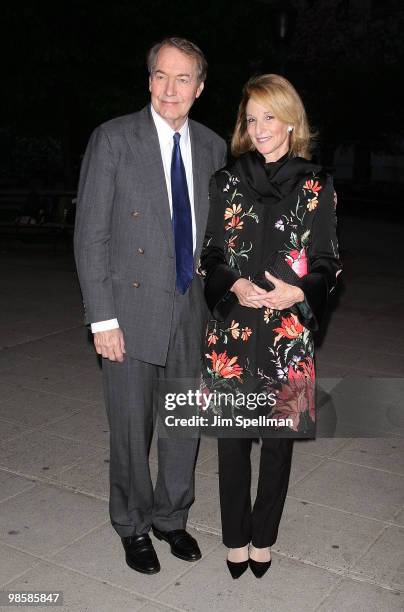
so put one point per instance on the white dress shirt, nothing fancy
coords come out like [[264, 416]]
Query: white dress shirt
[[165, 135]]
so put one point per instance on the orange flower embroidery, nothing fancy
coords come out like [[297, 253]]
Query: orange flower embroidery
[[234, 329], [212, 338], [312, 203], [234, 210], [232, 243], [224, 366], [246, 333], [235, 223], [312, 186], [291, 328]]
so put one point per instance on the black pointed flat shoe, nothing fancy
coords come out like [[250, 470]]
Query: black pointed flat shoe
[[237, 569], [259, 568]]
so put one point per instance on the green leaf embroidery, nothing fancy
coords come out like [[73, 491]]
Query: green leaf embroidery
[[290, 345], [305, 237], [294, 240]]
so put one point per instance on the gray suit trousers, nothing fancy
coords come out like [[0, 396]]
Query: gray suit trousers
[[131, 408]]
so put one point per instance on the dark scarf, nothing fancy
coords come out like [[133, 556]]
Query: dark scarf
[[271, 182]]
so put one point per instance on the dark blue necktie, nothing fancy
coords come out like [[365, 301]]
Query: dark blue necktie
[[182, 220]]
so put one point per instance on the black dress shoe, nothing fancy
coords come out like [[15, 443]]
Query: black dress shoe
[[182, 544], [237, 569], [259, 568], [140, 554]]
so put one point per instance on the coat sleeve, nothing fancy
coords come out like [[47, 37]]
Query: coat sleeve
[[324, 263], [93, 228], [219, 276]]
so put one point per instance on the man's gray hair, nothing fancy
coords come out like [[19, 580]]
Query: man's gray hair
[[184, 45]]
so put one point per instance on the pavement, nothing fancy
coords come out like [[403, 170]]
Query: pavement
[[340, 543]]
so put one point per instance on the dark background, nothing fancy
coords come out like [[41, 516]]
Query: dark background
[[71, 65]]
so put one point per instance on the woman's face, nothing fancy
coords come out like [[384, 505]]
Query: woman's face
[[268, 135]]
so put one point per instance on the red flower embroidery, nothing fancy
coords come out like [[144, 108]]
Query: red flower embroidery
[[297, 395], [291, 328], [307, 368], [313, 186], [224, 366], [298, 261]]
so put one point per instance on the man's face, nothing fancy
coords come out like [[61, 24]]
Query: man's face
[[174, 85]]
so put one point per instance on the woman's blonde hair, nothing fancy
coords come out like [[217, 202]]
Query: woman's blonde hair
[[281, 98]]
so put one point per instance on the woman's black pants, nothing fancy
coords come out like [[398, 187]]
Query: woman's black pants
[[242, 524]]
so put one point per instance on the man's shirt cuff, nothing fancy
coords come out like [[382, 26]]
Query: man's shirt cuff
[[104, 325]]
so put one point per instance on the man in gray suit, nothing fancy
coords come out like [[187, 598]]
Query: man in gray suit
[[141, 216]]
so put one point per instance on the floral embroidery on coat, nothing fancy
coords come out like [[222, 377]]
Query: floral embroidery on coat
[[266, 349]]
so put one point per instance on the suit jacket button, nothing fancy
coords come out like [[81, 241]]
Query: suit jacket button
[[136, 285], [135, 213], [140, 251]]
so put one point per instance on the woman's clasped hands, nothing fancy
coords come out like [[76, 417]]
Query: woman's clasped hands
[[281, 297]]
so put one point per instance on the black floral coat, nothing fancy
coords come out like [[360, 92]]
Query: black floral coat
[[263, 350]]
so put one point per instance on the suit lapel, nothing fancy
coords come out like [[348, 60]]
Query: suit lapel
[[144, 143], [200, 173]]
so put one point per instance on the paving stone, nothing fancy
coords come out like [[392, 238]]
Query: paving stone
[[323, 536], [80, 594], [101, 555], [40, 454], [84, 386], [8, 430], [89, 475], [362, 597], [283, 588], [385, 454], [88, 425], [45, 518], [372, 493], [383, 563], [13, 563], [12, 485], [36, 408]]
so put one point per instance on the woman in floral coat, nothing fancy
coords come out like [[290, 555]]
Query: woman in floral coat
[[272, 200]]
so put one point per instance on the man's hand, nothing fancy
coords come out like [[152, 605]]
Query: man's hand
[[110, 344], [283, 296], [248, 294]]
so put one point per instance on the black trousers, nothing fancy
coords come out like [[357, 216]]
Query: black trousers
[[242, 523]]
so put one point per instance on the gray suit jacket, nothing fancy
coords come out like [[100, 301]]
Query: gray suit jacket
[[124, 244]]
